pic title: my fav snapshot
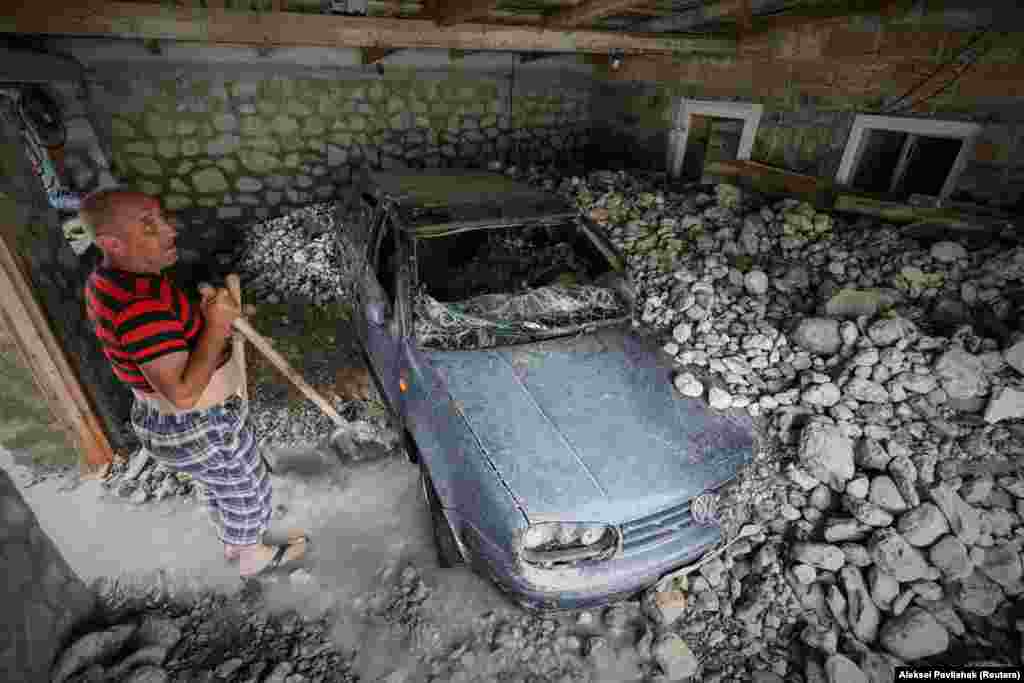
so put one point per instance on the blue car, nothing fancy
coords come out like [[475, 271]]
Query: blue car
[[557, 459]]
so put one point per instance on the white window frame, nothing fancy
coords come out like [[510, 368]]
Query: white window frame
[[750, 114], [957, 130]]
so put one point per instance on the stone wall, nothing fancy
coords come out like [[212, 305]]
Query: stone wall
[[43, 600], [229, 148]]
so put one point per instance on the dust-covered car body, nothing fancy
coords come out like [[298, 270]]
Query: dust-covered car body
[[558, 455]]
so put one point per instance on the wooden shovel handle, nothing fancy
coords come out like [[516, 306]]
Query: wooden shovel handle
[[264, 346], [234, 284]]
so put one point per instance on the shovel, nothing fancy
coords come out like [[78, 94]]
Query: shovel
[[264, 346]]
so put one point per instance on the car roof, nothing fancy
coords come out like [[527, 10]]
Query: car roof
[[435, 202]]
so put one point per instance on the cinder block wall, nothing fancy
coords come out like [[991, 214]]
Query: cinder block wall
[[43, 600], [813, 81]]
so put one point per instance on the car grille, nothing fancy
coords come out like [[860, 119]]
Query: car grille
[[647, 532]]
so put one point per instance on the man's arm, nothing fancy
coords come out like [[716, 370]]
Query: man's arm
[[182, 376]]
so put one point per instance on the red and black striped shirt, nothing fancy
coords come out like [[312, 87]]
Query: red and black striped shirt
[[139, 318]]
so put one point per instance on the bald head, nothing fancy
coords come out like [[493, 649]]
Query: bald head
[[131, 230], [113, 212]]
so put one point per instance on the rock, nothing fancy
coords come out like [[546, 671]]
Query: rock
[[1003, 565], [884, 493], [862, 613], [682, 332], [688, 385], [820, 638], [877, 667], [675, 658], [884, 588], [853, 303], [858, 488], [1007, 404], [1014, 357], [840, 669], [147, 674], [826, 395], [914, 635], [827, 454], [719, 399], [904, 473], [845, 529], [978, 595], [856, 554], [871, 455], [818, 335], [951, 557], [153, 655], [964, 520], [140, 496], [156, 630], [923, 525], [837, 606], [801, 477], [664, 607], [896, 557], [977, 490], [756, 282], [820, 555], [961, 374], [90, 649], [805, 573], [888, 331], [280, 673], [948, 252], [138, 463], [867, 513], [866, 391]]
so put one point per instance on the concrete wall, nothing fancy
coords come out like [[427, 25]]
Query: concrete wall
[[813, 81], [42, 598]]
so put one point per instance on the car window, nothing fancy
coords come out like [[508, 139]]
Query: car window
[[505, 285]]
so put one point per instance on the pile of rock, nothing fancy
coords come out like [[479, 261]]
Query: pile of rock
[[297, 257], [216, 638], [142, 480], [888, 376]]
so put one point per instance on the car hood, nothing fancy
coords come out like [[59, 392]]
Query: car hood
[[590, 428]]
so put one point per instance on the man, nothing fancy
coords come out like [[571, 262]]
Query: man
[[175, 357]]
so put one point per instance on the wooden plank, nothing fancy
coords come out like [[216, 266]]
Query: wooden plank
[[772, 180], [453, 12], [588, 11], [900, 212], [49, 366], [290, 29]]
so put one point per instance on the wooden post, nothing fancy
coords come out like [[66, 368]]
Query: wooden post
[[50, 368]]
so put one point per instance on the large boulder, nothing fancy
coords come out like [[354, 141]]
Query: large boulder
[[1003, 565], [951, 557], [897, 558], [978, 595], [818, 335], [821, 555], [675, 657], [913, 635], [923, 525], [827, 453], [840, 669], [889, 331], [963, 519], [961, 374]]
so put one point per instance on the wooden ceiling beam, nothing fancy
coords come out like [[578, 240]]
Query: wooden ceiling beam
[[291, 29], [588, 12], [451, 12]]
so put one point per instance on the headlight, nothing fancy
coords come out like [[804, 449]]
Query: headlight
[[562, 542]]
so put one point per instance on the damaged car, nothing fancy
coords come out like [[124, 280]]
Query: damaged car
[[556, 457]]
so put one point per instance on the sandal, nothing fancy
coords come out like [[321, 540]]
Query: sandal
[[278, 564]]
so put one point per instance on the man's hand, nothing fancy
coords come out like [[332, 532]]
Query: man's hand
[[219, 308]]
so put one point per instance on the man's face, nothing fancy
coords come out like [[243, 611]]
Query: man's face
[[148, 235]]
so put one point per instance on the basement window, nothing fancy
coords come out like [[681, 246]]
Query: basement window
[[706, 131], [901, 157]]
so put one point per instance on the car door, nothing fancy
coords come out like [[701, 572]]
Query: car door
[[380, 325]]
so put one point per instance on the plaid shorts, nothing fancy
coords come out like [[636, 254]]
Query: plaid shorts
[[217, 448]]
